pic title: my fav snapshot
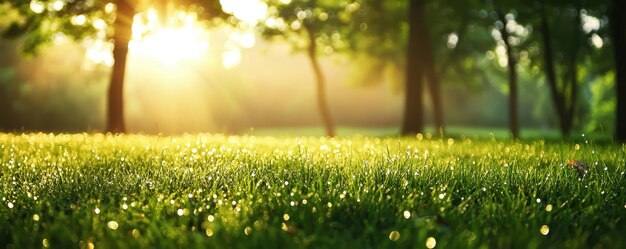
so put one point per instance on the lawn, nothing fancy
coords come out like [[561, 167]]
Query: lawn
[[213, 191]]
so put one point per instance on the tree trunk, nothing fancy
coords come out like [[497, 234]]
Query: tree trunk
[[320, 83], [512, 74], [123, 32], [434, 86], [413, 107], [618, 25], [557, 96], [570, 107], [570, 110]]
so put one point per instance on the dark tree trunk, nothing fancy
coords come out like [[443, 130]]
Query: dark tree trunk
[[320, 83], [570, 106], [557, 96], [435, 88], [413, 107], [571, 109], [512, 75], [123, 31], [618, 24]]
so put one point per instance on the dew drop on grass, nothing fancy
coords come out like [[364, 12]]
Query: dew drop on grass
[[96, 210], [247, 231], [538, 200], [211, 218], [10, 205], [407, 214], [124, 206], [544, 229], [180, 212], [36, 217], [45, 243], [431, 242], [394, 235], [209, 232], [286, 217], [549, 208], [441, 196]]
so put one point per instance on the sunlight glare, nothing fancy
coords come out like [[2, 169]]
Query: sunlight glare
[[231, 58], [37, 6], [596, 41], [247, 11], [78, 20], [99, 52], [183, 38]]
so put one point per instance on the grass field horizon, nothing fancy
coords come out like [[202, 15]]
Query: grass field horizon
[[472, 132], [257, 191]]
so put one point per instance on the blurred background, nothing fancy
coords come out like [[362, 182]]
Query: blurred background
[[247, 74]]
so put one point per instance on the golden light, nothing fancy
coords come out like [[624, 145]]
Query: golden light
[[37, 7], [544, 230], [431, 242], [99, 52], [182, 37], [247, 11]]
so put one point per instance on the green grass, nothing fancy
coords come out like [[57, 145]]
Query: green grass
[[206, 191], [451, 131]]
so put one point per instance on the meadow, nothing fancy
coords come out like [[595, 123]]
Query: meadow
[[215, 191]]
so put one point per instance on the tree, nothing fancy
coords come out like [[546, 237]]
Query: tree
[[618, 28], [415, 69], [314, 26], [121, 37], [41, 21], [564, 95], [571, 63], [512, 70], [402, 34]]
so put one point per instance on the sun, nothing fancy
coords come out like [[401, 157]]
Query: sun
[[181, 37]]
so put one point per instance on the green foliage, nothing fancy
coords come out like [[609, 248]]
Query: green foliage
[[37, 23], [327, 21], [602, 104], [263, 192]]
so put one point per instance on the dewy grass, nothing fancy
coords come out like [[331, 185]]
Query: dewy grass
[[212, 191]]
